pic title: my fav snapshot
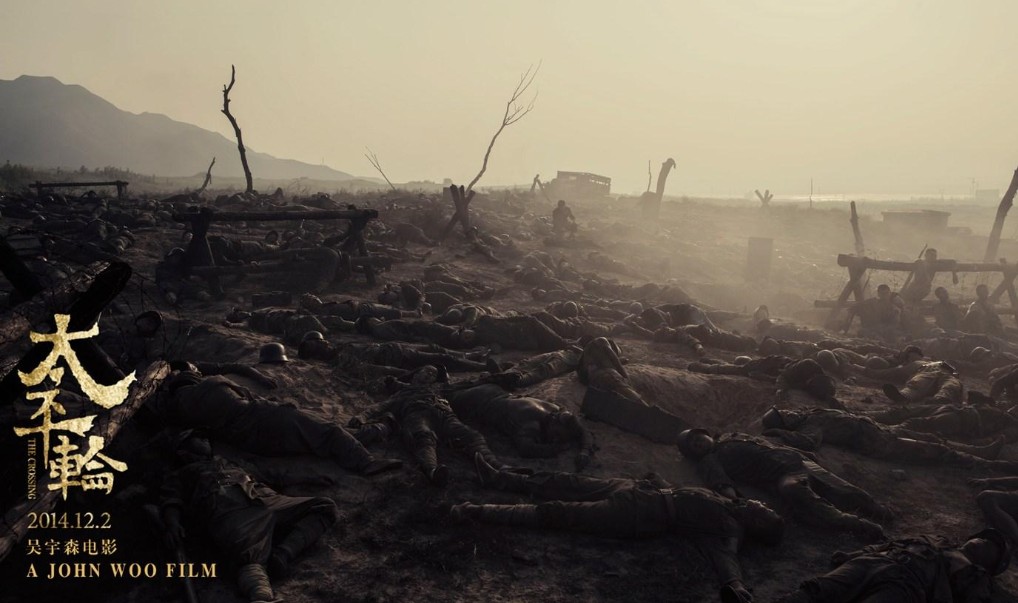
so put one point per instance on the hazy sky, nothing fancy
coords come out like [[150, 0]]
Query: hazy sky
[[865, 96]]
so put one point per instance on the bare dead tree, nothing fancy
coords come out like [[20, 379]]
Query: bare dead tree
[[998, 223], [377, 165], [514, 112], [765, 198], [648, 175], [236, 129], [208, 178]]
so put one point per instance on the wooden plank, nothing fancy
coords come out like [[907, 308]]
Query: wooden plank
[[849, 261]]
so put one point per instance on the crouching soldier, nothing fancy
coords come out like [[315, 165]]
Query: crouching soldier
[[634, 509], [256, 527]]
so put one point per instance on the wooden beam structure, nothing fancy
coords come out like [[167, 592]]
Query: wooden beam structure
[[857, 267], [352, 241]]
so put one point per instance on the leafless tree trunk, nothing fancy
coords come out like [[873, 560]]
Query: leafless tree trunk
[[765, 199], [236, 130], [998, 223], [648, 175], [377, 165], [514, 112], [208, 178]]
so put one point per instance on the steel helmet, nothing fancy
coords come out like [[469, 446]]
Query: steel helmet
[[272, 353]]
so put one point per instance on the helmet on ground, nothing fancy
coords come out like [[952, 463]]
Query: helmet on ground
[[684, 441], [272, 353], [312, 335]]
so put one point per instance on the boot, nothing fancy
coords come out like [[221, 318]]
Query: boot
[[894, 394], [254, 583], [989, 452]]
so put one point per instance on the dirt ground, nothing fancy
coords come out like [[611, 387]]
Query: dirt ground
[[394, 541]]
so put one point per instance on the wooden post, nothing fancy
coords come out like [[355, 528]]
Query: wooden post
[[998, 222], [860, 249], [462, 200]]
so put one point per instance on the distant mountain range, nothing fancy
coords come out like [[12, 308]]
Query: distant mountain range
[[46, 123]]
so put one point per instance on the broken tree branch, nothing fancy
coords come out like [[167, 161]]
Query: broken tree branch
[[377, 165], [998, 223], [236, 129], [514, 112], [208, 177]]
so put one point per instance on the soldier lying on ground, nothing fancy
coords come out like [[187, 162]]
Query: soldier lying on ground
[[535, 369], [422, 418], [610, 397], [290, 324], [190, 398], [518, 333], [844, 362], [351, 310], [977, 420], [394, 354], [810, 429], [928, 382], [808, 376], [253, 525], [765, 369], [421, 331], [817, 497], [538, 428], [911, 570], [467, 314], [628, 508]]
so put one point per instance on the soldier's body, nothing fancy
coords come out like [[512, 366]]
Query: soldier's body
[[921, 569], [421, 331], [968, 422], [946, 314], [392, 354], [538, 428], [927, 383], [817, 496], [981, 316], [535, 369], [517, 332], [229, 412], [562, 219], [768, 368], [253, 525], [634, 509], [810, 429], [423, 419]]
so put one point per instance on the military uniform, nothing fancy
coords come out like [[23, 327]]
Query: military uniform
[[228, 413], [423, 418], [623, 508], [817, 496], [517, 332], [525, 420], [923, 569], [808, 430]]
